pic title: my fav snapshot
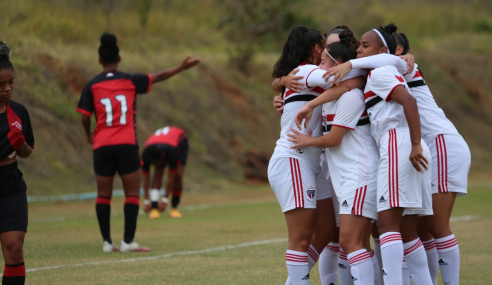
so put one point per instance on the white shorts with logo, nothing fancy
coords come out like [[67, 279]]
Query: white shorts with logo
[[399, 184], [451, 161], [360, 202], [326, 190], [293, 182]]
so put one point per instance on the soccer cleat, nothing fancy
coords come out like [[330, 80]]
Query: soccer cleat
[[154, 214], [108, 247], [174, 213], [133, 246]]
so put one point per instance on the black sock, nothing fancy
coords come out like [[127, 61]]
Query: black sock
[[131, 207], [103, 212], [154, 205], [175, 201], [14, 274]]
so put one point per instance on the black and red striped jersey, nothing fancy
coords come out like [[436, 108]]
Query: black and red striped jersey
[[112, 97], [15, 116], [171, 141]]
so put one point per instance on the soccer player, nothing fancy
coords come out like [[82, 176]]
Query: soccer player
[[111, 95], [16, 140], [167, 146]]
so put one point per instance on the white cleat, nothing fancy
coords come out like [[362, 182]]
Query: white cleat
[[133, 246], [108, 247]]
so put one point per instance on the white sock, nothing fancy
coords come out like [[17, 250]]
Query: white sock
[[432, 259], [377, 252], [416, 258], [361, 267], [449, 259], [405, 273], [344, 266], [298, 267], [378, 278], [328, 264], [392, 255]]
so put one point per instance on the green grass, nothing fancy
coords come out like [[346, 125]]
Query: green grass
[[188, 250]]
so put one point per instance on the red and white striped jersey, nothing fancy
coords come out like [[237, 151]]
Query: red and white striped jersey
[[432, 118], [384, 113], [354, 162]]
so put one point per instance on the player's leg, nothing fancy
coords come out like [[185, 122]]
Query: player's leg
[[391, 244], [12, 249], [376, 256], [328, 260], [430, 248], [177, 191]]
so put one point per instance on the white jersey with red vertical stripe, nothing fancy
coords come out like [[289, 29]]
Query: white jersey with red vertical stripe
[[315, 85], [384, 113], [432, 118], [353, 163]]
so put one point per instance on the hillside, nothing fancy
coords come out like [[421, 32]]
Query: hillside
[[225, 110]]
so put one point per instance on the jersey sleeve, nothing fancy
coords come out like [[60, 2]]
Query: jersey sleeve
[[27, 128], [142, 82], [349, 108], [380, 60], [315, 78], [382, 81], [86, 102], [410, 76]]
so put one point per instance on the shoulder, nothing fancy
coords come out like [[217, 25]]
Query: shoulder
[[352, 98], [307, 68], [17, 107]]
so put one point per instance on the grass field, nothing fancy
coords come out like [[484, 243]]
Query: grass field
[[233, 237]]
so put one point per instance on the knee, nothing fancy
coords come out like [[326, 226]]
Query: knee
[[300, 242], [13, 252], [350, 243]]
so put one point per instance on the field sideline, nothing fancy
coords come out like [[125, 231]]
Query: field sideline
[[233, 237]]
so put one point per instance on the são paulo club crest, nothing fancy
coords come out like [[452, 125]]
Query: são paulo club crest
[[311, 192], [299, 150]]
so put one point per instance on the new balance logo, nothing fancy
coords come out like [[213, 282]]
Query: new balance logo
[[441, 262], [306, 277], [384, 272], [345, 204], [382, 200], [341, 266]]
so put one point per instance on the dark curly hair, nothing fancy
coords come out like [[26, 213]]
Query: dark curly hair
[[5, 57], [108, 51], [346, 48]]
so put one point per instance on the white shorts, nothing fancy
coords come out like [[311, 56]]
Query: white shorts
[[399, 184], [323, 182], [360, 202], [426, 209], [451, 161], [326, 174], [293, 182]]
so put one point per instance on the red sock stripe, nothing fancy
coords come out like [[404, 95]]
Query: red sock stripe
[[376, 240], [359, 257], [132, 200], [296, 258], [446, 244], [430, 244], [412, 248], [371, 253], [442, 164], [103, 200], [294, 182], [342, 255], [313, 254], [14, 271], [390, 237], [301, 190], [333, 248], [177, 192]]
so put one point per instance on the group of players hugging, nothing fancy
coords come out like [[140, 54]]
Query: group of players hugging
[[364, 150]]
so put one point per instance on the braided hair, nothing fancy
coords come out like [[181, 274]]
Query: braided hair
[[346, 48], [5, 57], [108, 51]]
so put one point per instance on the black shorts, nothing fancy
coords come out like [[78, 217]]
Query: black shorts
[[183, 152], [13, 199], [123, 158]]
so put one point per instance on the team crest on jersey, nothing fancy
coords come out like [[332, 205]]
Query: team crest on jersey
[[299, 150], [311, 192], [17, 125]]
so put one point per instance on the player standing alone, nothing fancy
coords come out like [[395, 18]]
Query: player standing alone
[[16, 139], [168, 145], [111, 95]]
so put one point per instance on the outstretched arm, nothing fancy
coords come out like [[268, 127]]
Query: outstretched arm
[[165, 74]]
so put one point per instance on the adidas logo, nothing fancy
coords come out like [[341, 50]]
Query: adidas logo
[[441, 262], [345, 204], [354, 279], [382, 200], [341, 266], [384, 272], [306, 277]]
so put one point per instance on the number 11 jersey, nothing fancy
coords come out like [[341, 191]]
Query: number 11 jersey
[[112, 97]]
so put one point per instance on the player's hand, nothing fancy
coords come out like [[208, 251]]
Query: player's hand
[[147, 208], [299, 139], [90, 138], [17, 137], [188, 63], [162, 206], [306, 112], [418, 159], [410, 59], [339, 72], [293, 82], [278, 104]]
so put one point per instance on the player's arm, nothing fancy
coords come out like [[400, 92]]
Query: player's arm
[[24, 151], [290, 81], [165, 74], [401, 96], [86, 124], [333, 138]]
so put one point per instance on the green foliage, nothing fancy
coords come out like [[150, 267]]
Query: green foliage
[[483, 25]]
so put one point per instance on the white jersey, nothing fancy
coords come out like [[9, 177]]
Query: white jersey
[[313, 79], [432, 118], [353, 163], [384, 113]]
